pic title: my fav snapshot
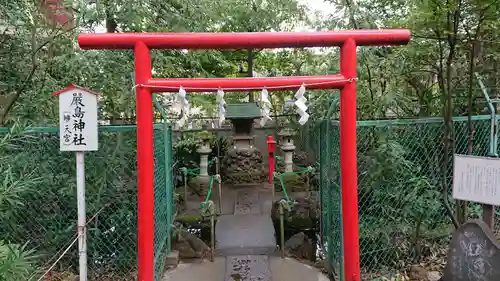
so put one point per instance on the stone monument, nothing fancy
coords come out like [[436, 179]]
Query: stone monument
[[474, 254], [243, 163]]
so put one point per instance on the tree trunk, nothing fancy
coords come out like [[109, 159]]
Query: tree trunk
[[462, 205], [453, 18]]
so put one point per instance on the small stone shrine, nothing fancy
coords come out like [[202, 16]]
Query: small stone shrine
[[474, 254], [243, 163]]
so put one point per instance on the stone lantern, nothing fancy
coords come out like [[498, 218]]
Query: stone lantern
[[287, 146], [204, 150], [200, 183]]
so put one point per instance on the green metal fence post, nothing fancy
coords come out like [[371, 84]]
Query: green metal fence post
[[282, 230], [169, 182], [325, 185], [335, 199], [489, 210]]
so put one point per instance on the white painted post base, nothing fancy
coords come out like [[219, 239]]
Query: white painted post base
[[82, 231]]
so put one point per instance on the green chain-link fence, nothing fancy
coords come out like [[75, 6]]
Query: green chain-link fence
[[330, 197], [400, 207], [38, 202], [164, 199], [402, 219]]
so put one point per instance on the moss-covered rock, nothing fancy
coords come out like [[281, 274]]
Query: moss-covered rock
[[189, 220], [303, 214], [292, 182]]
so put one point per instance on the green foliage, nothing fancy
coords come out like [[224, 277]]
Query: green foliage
[[185, 151], [37, 192], [394, 187], [42, 211], [16, 262], [400, 196], [12, 191], [205, 135], [449, 42], [292, 183], [185, 147], [37, 57]]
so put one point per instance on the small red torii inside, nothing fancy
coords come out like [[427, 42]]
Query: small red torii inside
[[143, 43]]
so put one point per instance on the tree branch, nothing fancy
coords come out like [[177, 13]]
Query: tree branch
[[34, 66]]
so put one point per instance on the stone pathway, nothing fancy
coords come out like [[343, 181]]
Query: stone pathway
[[246, 238], [248, 231], [286, 269], [246, 247]]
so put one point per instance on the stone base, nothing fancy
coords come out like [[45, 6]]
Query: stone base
[[172, 259], [242, 166], [199, 185]]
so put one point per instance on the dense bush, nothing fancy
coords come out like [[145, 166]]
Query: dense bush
[[38, 199], [400, 201], [16, 262], [400, 173]]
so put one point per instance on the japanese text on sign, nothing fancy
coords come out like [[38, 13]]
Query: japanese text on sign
[[78, 120], [476, 179]]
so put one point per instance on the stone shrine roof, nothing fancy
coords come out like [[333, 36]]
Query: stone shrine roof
[[247, 110]]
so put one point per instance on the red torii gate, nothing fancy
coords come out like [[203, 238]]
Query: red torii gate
[[142, 43]]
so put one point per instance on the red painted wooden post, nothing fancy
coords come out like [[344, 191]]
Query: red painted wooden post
[[145, 165], [271, 149]]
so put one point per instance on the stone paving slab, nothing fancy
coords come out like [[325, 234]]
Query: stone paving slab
[[247, 202], [206, 271], [287, 269], [245, 234], [247, 268]]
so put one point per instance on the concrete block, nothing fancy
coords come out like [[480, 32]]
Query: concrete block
[[172, 259]]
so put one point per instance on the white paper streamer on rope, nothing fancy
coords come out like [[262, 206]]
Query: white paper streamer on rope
[[300, 103], [266, 107], [222, 106], [184, 106]]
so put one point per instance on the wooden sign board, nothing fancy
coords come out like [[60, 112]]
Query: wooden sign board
[[78, 126], [476, 179]]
